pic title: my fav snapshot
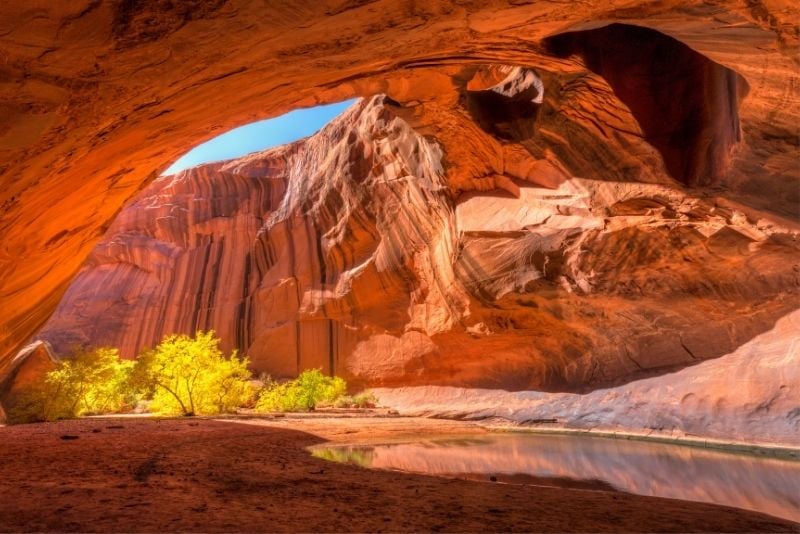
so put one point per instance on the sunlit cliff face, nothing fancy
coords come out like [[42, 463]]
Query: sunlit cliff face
[[537, 202], [514, 227]]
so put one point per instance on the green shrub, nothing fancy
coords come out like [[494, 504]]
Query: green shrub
[[306, 392], [365, 400], [362, 400], [26, 406], [88, 382], [345, 401], [190, 375]]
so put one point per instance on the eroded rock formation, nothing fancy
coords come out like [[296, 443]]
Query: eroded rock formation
[[750, 395], [349, 251], [618, 192], [293, 255], [97, 97], [22, 372]]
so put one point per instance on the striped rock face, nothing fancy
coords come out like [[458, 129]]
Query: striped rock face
[[549, 196], [350, 251]]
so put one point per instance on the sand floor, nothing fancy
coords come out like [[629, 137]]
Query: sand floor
[[200, 475]]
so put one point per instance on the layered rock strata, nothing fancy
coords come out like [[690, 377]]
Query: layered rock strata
[[751, 395], [98, 96], [294, 255], [351, 251]]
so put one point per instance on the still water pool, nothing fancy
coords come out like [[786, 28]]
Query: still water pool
[[764, 484]]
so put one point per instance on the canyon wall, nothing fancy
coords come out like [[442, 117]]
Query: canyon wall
[[552, 196], [352, 252], [751, 395], [98, 96], [293, 255]]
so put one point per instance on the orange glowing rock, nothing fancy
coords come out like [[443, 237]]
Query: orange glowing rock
[[624, 226]]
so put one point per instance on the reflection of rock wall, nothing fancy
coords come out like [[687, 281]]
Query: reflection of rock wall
[[770, 486], [376, 252]]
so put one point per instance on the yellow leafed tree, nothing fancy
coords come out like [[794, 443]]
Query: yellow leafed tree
[[191, 376], [87, 382]]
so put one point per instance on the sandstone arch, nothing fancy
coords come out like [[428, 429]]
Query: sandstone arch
[[99, 96]]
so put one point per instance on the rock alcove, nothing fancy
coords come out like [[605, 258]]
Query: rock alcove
[[563, 208]]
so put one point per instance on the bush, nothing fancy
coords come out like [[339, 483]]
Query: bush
[[365, 400], [88, 382], [306, 392], [362, 400], [191, 376], [345, 401]]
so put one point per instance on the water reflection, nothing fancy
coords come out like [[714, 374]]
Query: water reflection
[[767, 485]]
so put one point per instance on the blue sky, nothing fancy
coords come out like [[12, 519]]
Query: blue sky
[[260, 135]]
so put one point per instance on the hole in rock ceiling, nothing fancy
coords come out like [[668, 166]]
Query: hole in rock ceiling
[[686, 104], [505, 100], [260, 135]]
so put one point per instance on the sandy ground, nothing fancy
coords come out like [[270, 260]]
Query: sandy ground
[[251, 475]]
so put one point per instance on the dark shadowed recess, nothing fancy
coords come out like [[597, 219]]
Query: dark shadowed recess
[[686, 104], [509, 115]]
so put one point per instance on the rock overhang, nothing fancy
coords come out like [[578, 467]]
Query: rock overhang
[[94, 134]]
